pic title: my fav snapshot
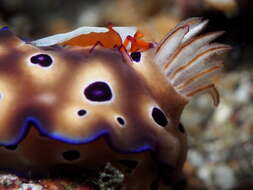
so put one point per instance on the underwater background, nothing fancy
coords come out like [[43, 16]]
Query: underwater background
[[220, 140]]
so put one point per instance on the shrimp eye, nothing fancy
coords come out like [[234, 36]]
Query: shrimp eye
[[43, 60], [136, 56]]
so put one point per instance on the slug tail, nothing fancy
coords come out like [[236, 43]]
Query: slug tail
[[189, 62]]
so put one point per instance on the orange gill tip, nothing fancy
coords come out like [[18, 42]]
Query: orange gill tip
[[198, 76], [197, 62], [188, 50], [200, 83], [169, 45], [188, 60], [183, 32], [195, 24]]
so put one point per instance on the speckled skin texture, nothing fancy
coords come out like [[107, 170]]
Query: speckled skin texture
[[39, 112]]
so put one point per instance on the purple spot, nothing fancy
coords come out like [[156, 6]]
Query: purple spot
[[121, 120], [159, 117], [136, 56], [81, 112], [43, 60], [98, 91], [71, 155]]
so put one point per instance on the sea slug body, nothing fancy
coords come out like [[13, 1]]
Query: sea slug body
[[97, 95]]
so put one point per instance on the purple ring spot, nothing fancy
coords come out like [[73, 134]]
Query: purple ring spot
[[136, 56], [71, 155], [81, 112], [98, 91], [43, 60], [121, 120], [159, 117]]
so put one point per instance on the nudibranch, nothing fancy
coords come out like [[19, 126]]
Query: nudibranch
[[95, 95]]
